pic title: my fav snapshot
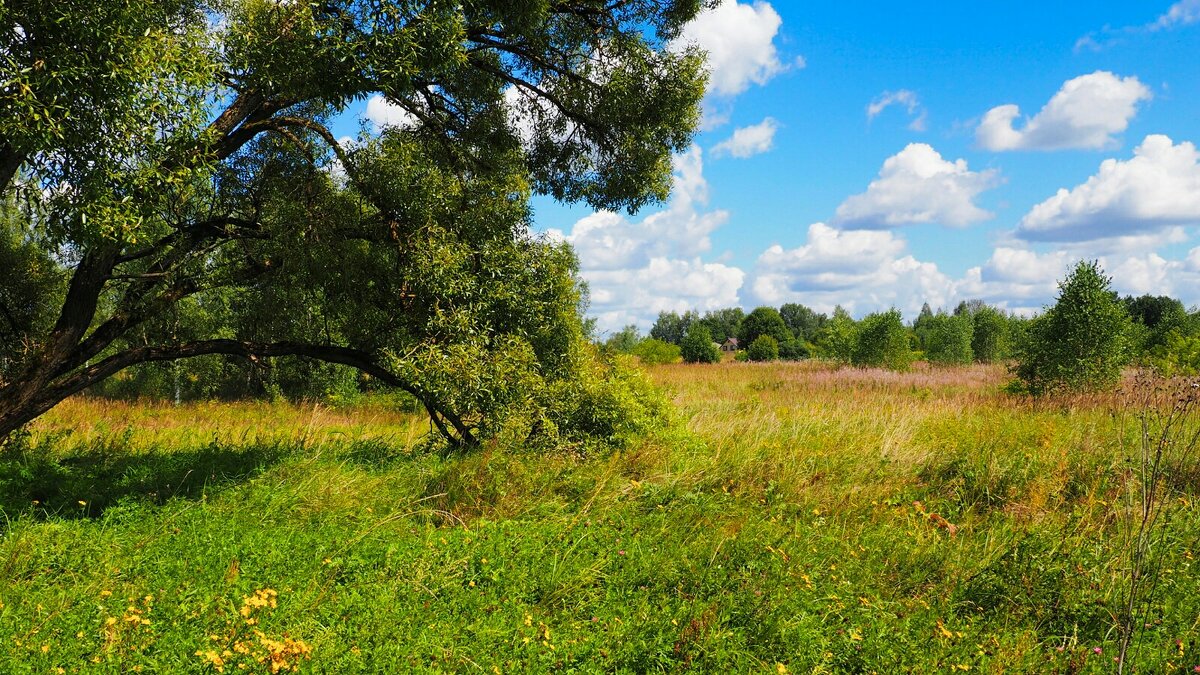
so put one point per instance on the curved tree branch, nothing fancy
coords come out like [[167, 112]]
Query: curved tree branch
[[347, 356]]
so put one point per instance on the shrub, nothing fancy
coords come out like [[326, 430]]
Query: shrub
[[948, 340], [882, 342], [624, 340], [794, 350], [989, 335], [1081, 342], [698, 347], [655, 352], [1179, 354], [764, 348], [836, 339]]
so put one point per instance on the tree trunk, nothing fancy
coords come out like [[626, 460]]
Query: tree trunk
[[23, 401]]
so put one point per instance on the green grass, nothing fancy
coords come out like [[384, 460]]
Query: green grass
[[785, 523]]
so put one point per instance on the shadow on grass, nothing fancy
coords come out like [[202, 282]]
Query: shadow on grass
[[85, 481]]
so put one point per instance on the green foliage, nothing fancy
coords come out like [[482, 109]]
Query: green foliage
[[948, 340], [882, 342], [723, 324], [625, 340], [802, 321], [1177, 355], [1155, 318], [181, 164], [379, 553], [921, 326], [969, 308], [656, 352], [31, 285], [989, 335], [763, 321], [764, 348], [794, 350], [837, 338], [698, 346], [1081, 342], [671, 327]]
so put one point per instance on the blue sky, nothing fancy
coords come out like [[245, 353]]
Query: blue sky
[[798, 189]]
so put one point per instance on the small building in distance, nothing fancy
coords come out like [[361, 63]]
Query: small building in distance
[[730, 345]]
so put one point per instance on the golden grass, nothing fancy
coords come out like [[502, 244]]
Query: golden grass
[[159, 423]]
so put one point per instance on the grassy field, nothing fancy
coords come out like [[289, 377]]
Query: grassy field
[[797, 518]]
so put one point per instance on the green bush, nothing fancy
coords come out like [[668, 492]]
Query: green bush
[[948, 340], [1179, 354], [836, 339], [1081, 342], [794, 350], [764, 348], [882, 342], [655, 352], [989, 335], [625, 340], [698, 347]]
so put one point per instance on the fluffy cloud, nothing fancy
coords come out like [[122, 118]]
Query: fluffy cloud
[[1017, 279], [637, 269], [611, 241], [862, 270], [1155, 190], [917, 186], [622, 297], [904, 98], [1183, 13], [740, 43], [748, 141], [1150, 273], [1085, 113], [1026, 281], [383, 113]]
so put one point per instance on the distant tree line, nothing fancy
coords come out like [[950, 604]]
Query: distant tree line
[[1080, 342]]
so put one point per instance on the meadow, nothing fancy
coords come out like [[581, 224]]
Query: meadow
[[795, 518]]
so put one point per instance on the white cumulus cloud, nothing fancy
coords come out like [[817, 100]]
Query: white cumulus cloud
[[1017, 279], [622, 297], [862, 270], [1155, 190], [1083, 114], [611, 241], [748, 141], [917, 185], [634, 270], [740, 41], [383, 113]]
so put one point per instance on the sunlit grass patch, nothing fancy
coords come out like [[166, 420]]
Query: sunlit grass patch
[[796, 516]]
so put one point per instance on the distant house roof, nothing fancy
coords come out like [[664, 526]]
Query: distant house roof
[[731, 342]]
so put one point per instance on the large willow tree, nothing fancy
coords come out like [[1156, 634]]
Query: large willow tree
[[166, 157]]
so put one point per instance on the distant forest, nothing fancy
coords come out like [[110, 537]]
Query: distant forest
[[1163, 333]]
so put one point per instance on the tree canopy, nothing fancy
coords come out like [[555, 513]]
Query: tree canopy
[[763, 321], [1082, 341], [182, 163]]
